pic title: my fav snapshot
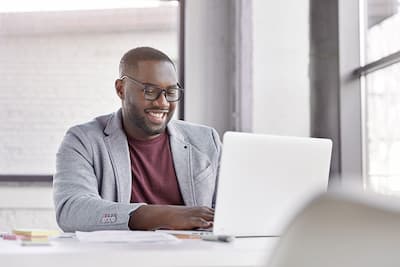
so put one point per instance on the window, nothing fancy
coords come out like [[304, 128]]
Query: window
[[381, 74], [58, 69]]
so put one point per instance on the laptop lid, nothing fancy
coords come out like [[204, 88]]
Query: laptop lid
[[264, 180]]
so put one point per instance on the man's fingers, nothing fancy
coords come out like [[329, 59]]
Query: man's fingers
[[205, 208], [208, 209], [207, 216], [203, 212], [198, 222]]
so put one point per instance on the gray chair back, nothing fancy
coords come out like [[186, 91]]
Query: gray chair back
[[337, 230]]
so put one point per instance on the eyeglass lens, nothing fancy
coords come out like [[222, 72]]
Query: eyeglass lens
[[171, 94]]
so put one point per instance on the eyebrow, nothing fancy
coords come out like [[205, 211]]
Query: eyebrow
[[156, 85]]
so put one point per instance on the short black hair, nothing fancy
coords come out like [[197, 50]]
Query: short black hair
[[133, 56]]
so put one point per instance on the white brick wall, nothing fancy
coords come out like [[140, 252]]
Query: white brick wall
[[50, 81], [26, 206], [27, 218]]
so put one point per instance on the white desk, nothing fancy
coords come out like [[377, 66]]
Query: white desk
[[72, 253]]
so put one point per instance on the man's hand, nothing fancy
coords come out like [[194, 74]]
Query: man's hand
[[151, 217]]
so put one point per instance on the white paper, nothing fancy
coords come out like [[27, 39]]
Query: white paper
[[116, 236]]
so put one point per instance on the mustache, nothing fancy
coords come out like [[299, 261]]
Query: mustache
[[156, 109]]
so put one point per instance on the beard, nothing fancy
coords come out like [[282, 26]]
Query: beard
[[141, 122]]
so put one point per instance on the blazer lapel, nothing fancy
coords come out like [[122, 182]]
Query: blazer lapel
[[181, 152], [117, 145]]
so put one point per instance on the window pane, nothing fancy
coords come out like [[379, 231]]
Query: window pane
[[383, 129], [383, 24], [58, 69]]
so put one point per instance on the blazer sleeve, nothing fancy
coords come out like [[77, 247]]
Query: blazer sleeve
[[218, 148], [78, 204]]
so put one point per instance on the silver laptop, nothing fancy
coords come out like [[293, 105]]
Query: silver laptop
[[264, 180]]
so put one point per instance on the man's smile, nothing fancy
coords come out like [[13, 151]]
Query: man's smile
[[156, 116]]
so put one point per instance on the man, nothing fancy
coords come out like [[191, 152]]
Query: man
[[137, 168]]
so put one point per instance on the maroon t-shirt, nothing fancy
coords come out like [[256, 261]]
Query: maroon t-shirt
[[153, 174]]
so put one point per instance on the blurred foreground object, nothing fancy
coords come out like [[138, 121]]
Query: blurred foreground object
[[342, 230]]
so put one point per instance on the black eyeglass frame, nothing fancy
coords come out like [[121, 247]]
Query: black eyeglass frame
[[159, 89]]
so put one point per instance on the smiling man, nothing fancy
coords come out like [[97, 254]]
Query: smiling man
[[137, 168]]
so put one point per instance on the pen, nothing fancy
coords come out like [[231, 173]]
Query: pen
[[220, 238], [7, 236]]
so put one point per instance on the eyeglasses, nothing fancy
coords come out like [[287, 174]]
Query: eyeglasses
[[172, 94]]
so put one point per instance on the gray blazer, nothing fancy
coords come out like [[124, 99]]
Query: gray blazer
[[93, 179]]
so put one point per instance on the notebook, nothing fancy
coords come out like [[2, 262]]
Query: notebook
[[264, 180]]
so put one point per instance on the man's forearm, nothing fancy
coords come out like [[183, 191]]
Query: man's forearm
[[151, 217]]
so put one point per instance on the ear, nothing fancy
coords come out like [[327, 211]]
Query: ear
[[119, 88]]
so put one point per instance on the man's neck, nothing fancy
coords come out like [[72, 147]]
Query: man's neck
[[135, 133]]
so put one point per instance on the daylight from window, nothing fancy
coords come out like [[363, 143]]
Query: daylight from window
[[383, 99]]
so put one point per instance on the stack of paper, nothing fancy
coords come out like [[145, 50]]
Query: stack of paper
[[126, 236]]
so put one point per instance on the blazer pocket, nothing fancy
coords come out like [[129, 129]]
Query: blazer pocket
[[203, 174], [204, 186]]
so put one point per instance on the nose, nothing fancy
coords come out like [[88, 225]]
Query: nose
[[162, 100]]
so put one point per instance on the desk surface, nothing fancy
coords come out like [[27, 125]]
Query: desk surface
[[71, 252]]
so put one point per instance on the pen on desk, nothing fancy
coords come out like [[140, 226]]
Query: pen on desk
[[220, 238], [7, 236]]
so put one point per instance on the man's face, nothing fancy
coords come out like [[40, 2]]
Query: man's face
[[147, 118]]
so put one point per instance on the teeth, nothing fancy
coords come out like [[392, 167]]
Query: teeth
[[157, 114]]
